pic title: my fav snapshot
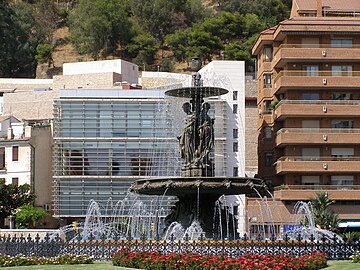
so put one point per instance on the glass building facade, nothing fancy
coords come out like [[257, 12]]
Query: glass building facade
[[106, 139]]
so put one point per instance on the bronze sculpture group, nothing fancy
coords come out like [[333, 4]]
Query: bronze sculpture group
[[197, 140]]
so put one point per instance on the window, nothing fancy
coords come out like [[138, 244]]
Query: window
[[267, 80], [268, 159], [311, 70], [235, 95], [341, 96], [310, 153], [341, 43], [235, 146], [310, 124], [15, 181], [2, 158], [342, 124], [268, 132], [235, 108], [235, 133], [342, 180], [341, 70], [235, 171], [15, 153], [342, 152], [310, 42], [310, 180], [268, 54], [310, 96]]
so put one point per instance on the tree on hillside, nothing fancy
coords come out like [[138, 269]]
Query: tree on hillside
[[142, 48], [241, 50], [324, 216], [202, 44], [177, 42], [269, 11], [12, 197], [19, 37], [47, 15], [163, 17], [98, 27]]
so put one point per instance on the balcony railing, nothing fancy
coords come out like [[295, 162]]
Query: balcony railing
[[318, 187], [319, 102], [318, 46], [318, 130], [314, 158], [322, 73]]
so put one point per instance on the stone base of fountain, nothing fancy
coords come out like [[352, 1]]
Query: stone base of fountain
[[197, 196]]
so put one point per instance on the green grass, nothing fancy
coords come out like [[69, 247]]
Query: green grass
[[342, 265], [95, 266]]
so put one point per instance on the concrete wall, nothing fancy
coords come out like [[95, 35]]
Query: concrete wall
[[231, 76], [30, 104], [41, 140], [129, 71], [88, 81]]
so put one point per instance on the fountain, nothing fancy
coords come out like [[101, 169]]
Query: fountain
[[197, 189]]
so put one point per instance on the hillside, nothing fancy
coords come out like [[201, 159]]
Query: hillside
[[155, 34]]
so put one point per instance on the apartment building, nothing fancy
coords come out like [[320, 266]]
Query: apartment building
[[308, 104]]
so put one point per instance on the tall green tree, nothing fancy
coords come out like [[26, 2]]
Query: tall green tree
[[269, 11], [12, 197], [202, 44], [163, 17], [324, 216], [98, 27], [142, 48], [19, 37], [177, 42]]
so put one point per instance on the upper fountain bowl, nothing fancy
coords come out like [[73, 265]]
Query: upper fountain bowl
[[196, 91]]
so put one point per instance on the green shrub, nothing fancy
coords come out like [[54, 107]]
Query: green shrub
[[356, 258]]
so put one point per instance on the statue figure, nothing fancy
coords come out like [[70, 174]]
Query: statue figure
[[187, 138], [206, 134]]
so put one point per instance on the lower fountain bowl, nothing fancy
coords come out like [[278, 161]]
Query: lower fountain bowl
[[177, 186]]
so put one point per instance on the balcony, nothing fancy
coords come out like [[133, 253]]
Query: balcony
[[265, 66], [265, 93], [298, 164], [293, 79], [304, 192], [319, 53], [308, 136], [317, 108]]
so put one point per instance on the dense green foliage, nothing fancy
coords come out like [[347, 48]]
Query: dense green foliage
[[324, 216], [26, 216], [19, 37], [185, 27], [12, 197], [43, 53], [98, 26], [134, 30]]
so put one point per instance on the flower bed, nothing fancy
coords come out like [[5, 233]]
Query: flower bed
[[20, 260], [173, 261]]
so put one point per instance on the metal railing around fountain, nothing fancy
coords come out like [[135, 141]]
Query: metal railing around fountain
[[102, 249]]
